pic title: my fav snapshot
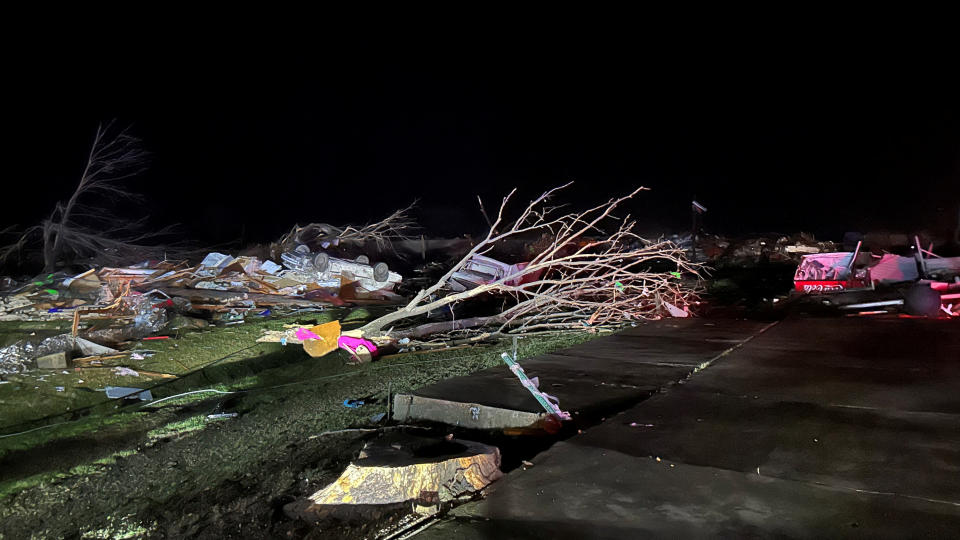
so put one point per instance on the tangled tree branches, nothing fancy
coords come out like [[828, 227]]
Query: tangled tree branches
[[383, 234], [583, 277], [81, 227]]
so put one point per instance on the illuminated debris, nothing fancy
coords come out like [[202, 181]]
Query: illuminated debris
[[480, 270], [320, 339], [403, 470], [873, 284]]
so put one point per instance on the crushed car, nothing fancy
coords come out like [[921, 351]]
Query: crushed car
[[480, 270], [334, 272], [869, 283]]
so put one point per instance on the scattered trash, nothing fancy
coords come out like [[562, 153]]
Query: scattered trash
[[353, 403], [377, 418], [119, 304], [220, 416], [124, 372]]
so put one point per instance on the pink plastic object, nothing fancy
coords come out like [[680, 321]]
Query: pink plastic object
[[351, 344], [303, 334]]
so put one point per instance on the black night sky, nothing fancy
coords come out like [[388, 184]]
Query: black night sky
[[250, 140]]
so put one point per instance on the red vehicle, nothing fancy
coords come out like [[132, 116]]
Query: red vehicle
[[826, 272], [863, 281]]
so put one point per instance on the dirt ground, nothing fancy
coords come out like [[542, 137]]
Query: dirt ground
[[137, 470]]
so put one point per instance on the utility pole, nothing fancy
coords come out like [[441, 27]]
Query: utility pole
[[696, 210]]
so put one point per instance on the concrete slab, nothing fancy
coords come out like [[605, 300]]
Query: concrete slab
[[877, 450], [578, 382], [816, 428], [845, 362], [650, 350], [602, 376], [581, 492]]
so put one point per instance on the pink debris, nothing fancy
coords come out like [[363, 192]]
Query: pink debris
[[303, 334], [351, 344]]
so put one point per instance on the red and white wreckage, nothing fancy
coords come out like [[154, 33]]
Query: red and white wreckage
[[922, 285]]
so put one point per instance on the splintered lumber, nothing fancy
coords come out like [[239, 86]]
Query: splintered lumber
[[155, 374], [91, 360]]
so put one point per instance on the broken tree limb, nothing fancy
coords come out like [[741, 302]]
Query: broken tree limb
[[581, 277]]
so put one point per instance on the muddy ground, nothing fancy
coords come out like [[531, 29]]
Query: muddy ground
[[106, 469]]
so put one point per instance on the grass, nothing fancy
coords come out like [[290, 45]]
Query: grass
[[180, 427], [98, 466], [34, 395], [282, 397]]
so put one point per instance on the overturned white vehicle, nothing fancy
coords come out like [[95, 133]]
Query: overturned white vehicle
[[334, 272]]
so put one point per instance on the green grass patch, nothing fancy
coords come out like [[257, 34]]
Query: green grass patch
[[175, 429]]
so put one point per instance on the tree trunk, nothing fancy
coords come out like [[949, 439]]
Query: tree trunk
[[49, 248], [448, 326]]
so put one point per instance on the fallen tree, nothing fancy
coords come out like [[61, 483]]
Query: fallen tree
[[582, 276]]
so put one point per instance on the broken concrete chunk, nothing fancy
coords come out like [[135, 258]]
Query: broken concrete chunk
[[404, 470], [53, 361]]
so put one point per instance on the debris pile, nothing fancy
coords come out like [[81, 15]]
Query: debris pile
[[544, 271], [219, 283], [114, 305], [754, 249]]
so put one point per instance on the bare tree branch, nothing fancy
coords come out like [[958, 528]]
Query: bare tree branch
[[583, 277], [384, 233]]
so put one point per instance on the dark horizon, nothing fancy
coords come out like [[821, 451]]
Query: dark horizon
[[819, 146]]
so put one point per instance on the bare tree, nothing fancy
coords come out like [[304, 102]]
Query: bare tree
[[82, 226], [582, 277]]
